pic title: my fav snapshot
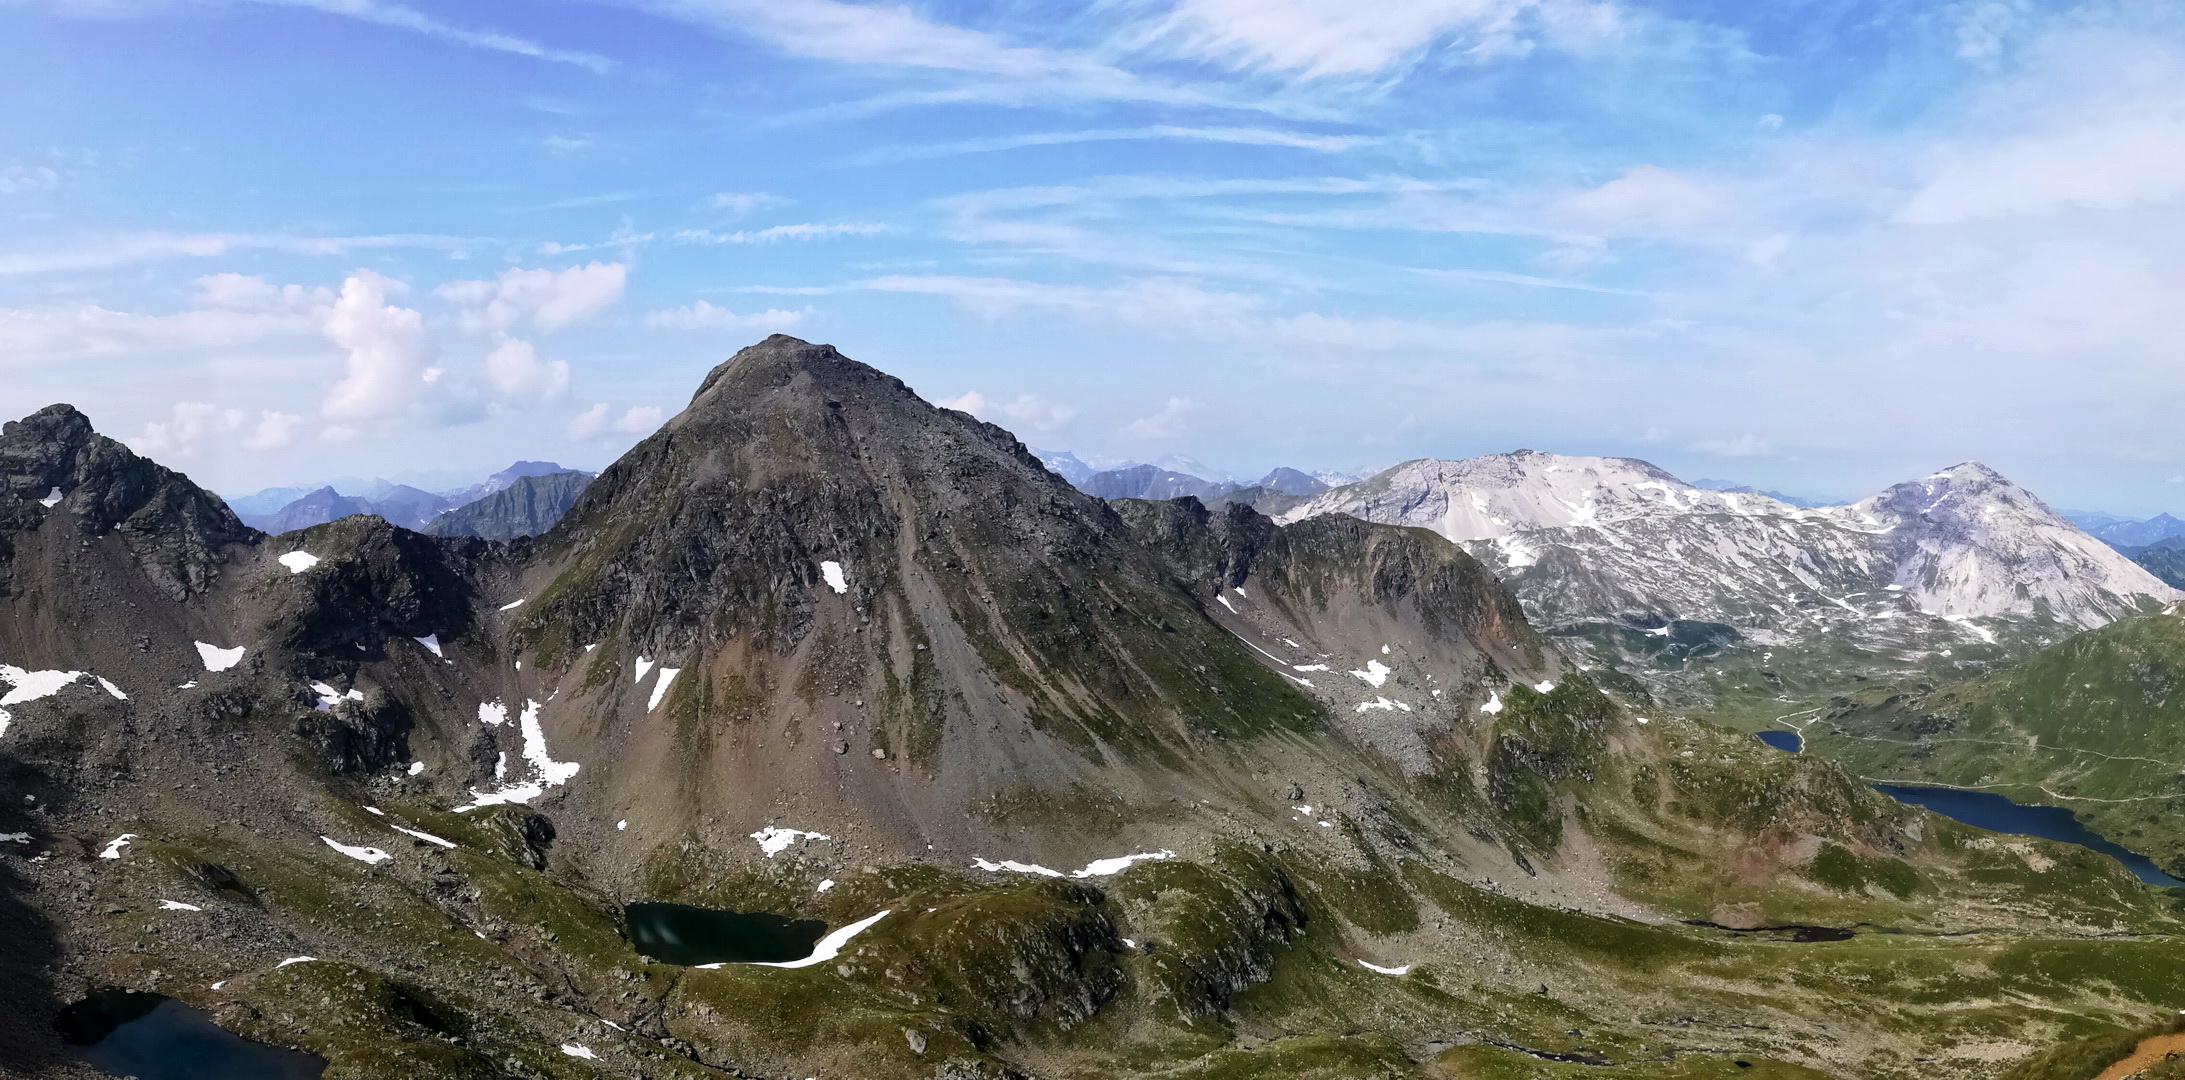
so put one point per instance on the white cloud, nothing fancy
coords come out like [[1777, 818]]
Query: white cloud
[[1243, 136], [1025, 412], [740, 203], [601, 419], [400, 17], [1317, 38], [195, 430], [1161, 302], [518, 377], [1171, 421], [1645, 199], [1741, 446], [248, 293], [20, 178], [546, 299], [191, 429], [774, 234], [157, 246], [389, 354], [701, 315], [275, 430]]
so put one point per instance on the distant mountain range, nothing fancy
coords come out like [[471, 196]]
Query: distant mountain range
[[282, 510], [1645, 573]]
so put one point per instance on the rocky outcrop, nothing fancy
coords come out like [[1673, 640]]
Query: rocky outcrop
[[56, 469]]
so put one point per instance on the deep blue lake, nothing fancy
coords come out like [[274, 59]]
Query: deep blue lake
[[155, 1037], [1790, 742], [1998, 814], [681, 934]]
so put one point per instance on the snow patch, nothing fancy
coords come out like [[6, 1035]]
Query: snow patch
[[114, 846], [548, 773], [660, 688], [177, 905], [492, 713], [219, 659], [432, 643], [112, 689], [511, 605], [292, 960], [425, 836], [774, 841], [52, 499], [1384, 650], [1375, 673], [1107, 867], [1383, 704], [31, 686], [830, 946], [623, 825], [1095, 868], [1544, 686], [1309, 667], [14, 838], [825, 885], [832, 571], [1494, 703], [299, 561], [375, 811], [367, 855], [1015, 867], [1225, 603], [644, 668], [1371, 966], [416, 767], [579, 1050]]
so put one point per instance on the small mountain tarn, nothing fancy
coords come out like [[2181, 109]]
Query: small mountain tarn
[[154, 1037], [1084, 788]]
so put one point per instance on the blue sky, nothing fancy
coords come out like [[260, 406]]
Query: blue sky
[[1822, 246]]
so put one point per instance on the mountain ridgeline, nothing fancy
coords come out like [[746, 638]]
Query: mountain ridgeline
[[1083, 789]]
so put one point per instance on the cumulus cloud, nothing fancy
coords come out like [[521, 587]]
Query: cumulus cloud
[[1025, 412], [601, 419], [274, 430], [249, 293], [190, 429], [520, 379], [196, 430], [702, 315], [389, 363], [1172, 420], [544, 299]]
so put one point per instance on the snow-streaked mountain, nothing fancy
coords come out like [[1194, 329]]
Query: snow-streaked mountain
[[1587, 539]]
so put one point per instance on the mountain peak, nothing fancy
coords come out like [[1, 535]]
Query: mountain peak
[[780, 358], [175, 529]]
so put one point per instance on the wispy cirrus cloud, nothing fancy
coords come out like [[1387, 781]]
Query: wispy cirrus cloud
[[1241, 136], [147, 247], [406, 18], [777, 233]]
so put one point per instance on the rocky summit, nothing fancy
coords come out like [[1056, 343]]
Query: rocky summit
[[961, 772]]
